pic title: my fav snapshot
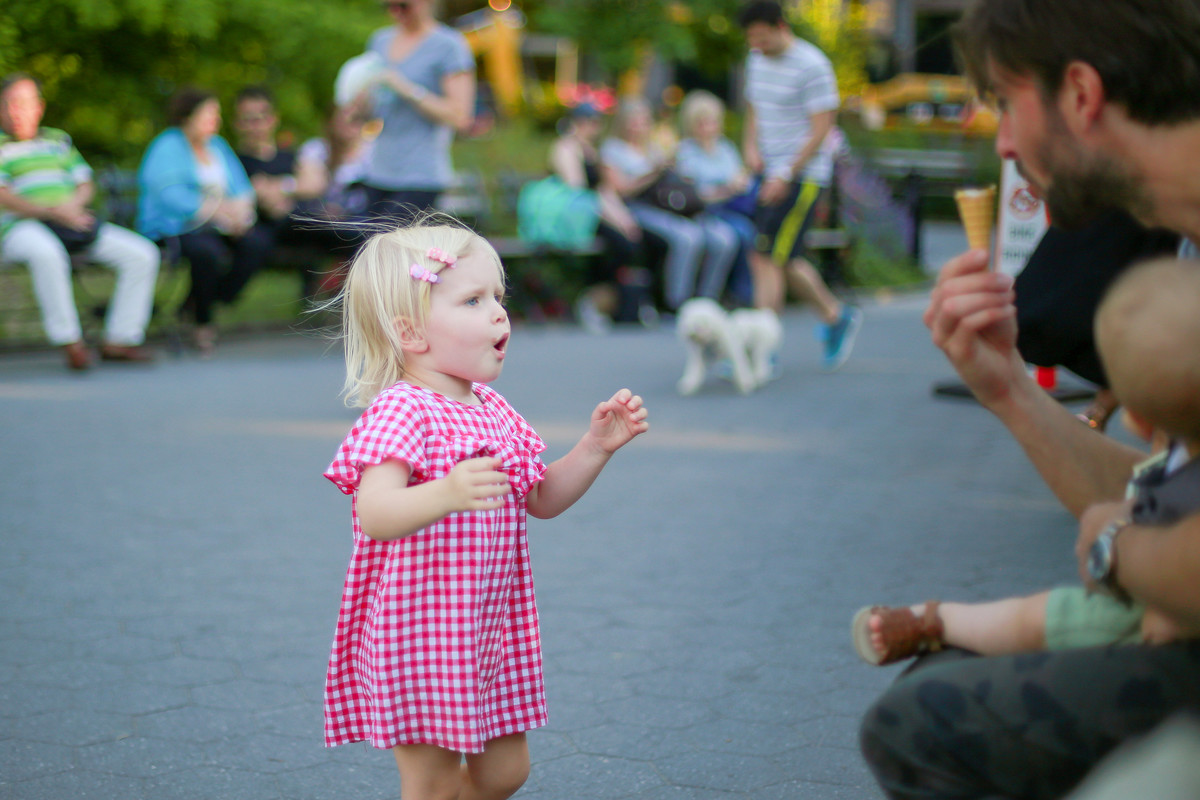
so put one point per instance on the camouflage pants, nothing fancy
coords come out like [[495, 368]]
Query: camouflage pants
[[957, 726]]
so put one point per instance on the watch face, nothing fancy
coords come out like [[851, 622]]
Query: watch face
[[1100, 558]]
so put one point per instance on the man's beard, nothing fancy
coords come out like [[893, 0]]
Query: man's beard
[[1081, 189], [1078, 196]]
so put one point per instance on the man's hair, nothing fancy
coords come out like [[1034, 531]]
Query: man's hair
[[254, 93], [1147, 52], [765, 11], [184, 103], [13, 78]]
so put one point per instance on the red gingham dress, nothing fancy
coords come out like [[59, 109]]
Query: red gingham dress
[[437, 637]]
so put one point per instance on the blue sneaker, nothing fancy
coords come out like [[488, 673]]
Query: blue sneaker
[[838, 338]]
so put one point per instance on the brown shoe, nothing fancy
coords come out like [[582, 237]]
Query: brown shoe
[[78, 357], [904, 634], [130, 354]]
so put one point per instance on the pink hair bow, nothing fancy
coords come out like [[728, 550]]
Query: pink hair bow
[[422, 274], [437, 254]]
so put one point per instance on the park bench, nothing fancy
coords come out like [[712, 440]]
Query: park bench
[[116, 192], [116, 202], [534, 296], [831, 237], [941, 170], [828, 241], [917, 175]]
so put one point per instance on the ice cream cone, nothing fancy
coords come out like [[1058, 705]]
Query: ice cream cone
[[977, 207]]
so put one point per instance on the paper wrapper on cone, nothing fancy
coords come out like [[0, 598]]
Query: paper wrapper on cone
[[977, 207]]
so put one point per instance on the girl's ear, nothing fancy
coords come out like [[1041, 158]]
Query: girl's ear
[[411, 339]]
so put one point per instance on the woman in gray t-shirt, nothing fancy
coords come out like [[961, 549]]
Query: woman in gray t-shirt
[[425, 94]]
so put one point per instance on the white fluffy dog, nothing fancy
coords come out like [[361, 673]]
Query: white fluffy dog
[[747, 339]]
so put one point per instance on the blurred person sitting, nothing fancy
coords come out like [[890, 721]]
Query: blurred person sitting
[[712, 162], [194, 191], [45, 191], [575, 161], [700, 250], [287, 188], [338, 161]]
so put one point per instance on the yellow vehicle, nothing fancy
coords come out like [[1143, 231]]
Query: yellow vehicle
[[506, 53], [937, 102]]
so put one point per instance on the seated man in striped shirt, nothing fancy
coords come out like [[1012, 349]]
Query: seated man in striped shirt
[[45, 189]]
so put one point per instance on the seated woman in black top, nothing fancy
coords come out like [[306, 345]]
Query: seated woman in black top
[[576, 161]]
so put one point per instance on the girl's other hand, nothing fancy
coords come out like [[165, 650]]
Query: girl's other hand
[[477, 484], [617, 420]]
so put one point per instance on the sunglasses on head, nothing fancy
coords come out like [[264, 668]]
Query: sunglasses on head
[[396, 5]]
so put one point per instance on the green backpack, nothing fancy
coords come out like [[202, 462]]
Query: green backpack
[[552, 213]]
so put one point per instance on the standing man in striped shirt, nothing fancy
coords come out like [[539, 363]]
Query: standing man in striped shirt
[[45, 190], [792, 100]]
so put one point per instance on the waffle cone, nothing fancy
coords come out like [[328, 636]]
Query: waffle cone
[[976, 208]]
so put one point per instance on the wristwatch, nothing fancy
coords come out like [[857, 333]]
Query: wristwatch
[[1102, 559]]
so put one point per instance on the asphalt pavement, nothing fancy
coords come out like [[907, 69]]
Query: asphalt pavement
[[172, 558]]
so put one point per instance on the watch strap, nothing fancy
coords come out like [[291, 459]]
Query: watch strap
[[1109, 581]]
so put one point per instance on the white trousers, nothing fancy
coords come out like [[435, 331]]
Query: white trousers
[[134, 258]]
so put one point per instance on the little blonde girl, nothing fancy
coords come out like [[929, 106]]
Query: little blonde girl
[[437, 653]]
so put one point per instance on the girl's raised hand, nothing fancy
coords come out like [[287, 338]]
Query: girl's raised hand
[[617, 420], [477, 484]]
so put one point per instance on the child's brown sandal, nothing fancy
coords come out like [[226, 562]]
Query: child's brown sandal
[[904, 634]]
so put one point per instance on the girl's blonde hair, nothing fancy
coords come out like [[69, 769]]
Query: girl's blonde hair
[[697, 105], [380, 295]]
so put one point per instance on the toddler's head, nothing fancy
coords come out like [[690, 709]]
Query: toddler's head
[[1148, 336], [386, 293]]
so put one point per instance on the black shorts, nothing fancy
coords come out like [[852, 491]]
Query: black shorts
[[780, 228]]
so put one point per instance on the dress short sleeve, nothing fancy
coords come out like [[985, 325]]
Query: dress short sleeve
[[393, 428]]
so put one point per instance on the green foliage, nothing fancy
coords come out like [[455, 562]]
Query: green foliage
[[840, 30], [867, 266], [108, 66], [703, 33]]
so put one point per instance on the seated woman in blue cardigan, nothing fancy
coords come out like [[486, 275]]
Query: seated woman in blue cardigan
[[192, 188]]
